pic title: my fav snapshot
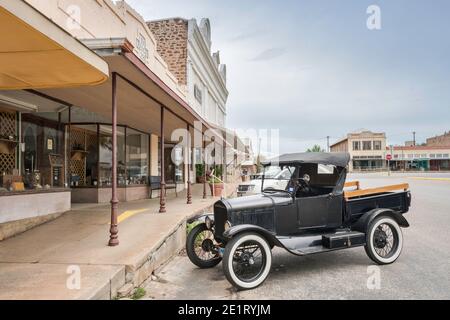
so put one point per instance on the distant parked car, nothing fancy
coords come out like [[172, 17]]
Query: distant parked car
[[274, 177]]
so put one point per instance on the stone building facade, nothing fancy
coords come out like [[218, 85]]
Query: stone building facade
[[439, 141], [172, 36], [185, 45]]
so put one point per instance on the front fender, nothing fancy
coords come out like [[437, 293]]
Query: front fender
[[363, 223], [201, 218], [269, 236]]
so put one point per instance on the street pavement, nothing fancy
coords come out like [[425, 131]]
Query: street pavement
[[421, 272]]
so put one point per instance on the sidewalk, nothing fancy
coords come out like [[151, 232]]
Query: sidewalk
[[34, 265]]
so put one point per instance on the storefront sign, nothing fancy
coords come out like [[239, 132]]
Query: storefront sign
[[141, 48]]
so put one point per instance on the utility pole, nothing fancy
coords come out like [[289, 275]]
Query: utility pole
[[328, 144], [258, 161], [414, 138]]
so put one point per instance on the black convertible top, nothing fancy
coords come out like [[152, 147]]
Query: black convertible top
[[338, 159]]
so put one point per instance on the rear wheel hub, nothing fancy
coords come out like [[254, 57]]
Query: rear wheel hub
[[380, 238]]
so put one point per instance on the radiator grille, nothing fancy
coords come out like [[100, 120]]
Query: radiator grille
[[220, 217], [260, 217]]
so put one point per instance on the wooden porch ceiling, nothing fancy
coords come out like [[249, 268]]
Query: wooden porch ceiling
[[135, 109]]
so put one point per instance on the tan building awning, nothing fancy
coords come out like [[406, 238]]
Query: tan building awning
[[36, 53]]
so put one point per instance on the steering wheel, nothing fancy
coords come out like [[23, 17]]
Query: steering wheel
[[303, 183]]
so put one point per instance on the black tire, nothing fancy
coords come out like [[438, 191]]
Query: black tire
[[211, 258], [384, 240], [234, 255]]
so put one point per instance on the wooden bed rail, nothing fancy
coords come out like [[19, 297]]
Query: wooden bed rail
[[366, 192], [353, 184]]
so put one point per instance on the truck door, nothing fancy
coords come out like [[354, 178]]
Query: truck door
[[319, 211]]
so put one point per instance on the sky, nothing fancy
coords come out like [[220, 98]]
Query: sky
[[313, 69]]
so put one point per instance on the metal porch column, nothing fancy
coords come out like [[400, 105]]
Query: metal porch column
[[189, 166], [114, 230], [205, 165], [162, 197]]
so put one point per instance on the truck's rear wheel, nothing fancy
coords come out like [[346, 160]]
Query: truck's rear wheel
[[384, 240], [247, 261]]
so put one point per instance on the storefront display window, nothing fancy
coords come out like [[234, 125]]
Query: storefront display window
[[42, 151], [105, 163], [91, 156], [177, 155], [83, 156], [32, 150], [137, 157], [9, 155]]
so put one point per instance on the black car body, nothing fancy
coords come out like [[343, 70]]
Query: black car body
[[323, 209], [314, 214]]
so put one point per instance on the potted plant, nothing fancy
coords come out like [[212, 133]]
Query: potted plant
[[216, 185], [218, 171], [200, 173]]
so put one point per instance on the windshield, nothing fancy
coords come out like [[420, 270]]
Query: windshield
[[271, 172], [276, 178]]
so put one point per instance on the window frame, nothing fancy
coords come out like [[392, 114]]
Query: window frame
[[364, 143]]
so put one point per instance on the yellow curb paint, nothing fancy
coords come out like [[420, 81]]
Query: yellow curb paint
[[431, 179], [128, 214]]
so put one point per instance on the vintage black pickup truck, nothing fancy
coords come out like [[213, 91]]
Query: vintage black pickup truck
[[316, 212]]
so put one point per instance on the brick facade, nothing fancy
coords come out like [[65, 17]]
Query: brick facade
[[341, 146], [439, 141], [172, 40]]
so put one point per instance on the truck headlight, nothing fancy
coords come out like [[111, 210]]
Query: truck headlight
[[209, 222], [227, 225]]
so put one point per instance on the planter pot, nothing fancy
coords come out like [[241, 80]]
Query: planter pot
[[218, 189], [200, 179]]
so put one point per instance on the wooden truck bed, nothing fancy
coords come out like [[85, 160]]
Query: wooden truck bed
[[373, 191], [359, 201]]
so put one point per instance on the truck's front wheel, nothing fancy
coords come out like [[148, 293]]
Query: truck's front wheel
[[384, 240], [247, 261], [201, 249]]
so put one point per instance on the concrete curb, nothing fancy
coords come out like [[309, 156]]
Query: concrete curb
[[158, 255]]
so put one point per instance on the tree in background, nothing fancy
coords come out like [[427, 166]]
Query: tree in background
[[316, 148]]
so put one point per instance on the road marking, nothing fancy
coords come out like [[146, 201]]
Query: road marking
[[431, 179], [128, 214]]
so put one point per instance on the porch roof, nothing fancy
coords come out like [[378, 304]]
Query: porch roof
[[36, 53], [140, 93]]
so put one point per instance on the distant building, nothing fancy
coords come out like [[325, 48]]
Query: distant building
[[439, 141], [367, 150], [186, 48], [434, 158], [434, 155]]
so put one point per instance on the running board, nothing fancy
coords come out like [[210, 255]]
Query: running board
[[312, 244]]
